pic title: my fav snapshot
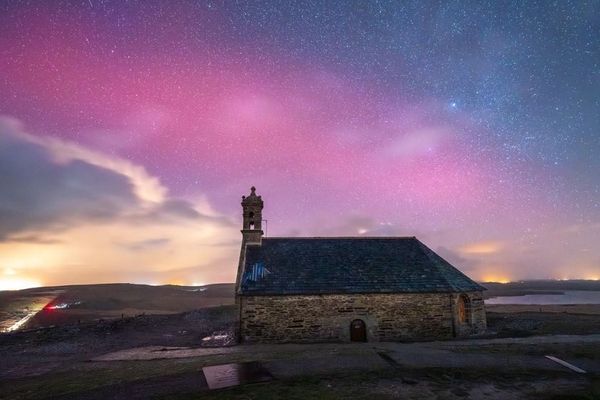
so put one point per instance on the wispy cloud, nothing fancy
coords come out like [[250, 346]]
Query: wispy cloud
[[489, 247], [70, 214]]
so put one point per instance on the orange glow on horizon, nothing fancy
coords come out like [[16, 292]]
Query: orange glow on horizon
[[481, 248], [18, 284], [495, 278]]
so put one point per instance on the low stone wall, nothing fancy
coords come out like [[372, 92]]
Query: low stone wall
[[388, 317]]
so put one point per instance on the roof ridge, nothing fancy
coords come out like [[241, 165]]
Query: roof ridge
[[340, 237]]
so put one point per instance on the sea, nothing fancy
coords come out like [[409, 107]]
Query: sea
[[567, 297]]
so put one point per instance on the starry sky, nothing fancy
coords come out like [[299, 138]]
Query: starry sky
[[130, 130]]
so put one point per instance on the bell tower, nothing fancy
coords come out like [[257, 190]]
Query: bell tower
[[252, 206]]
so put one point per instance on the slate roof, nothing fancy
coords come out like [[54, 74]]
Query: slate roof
[[286, 266]]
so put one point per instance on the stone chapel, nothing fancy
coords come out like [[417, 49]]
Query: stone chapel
[[341, 289]]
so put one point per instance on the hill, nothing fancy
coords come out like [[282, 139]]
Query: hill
[[60, 305]]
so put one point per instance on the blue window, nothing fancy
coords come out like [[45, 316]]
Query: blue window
[[256, 272]]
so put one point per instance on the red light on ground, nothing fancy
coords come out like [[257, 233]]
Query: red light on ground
[[56, 306]]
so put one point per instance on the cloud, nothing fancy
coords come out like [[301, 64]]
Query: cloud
[[147, 188], [361, 225], [174, 210], [52, 184], [489, 247], [32, 239], [44, 188], [73, 215], [454, 258], [418, 142], [143, 245]]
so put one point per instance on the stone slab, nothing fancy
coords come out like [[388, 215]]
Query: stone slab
[[228, 375]]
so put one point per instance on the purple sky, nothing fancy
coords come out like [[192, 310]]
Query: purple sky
[[130, 131]]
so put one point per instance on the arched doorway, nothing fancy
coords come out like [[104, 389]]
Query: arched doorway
[[358, 331], [464, 309]]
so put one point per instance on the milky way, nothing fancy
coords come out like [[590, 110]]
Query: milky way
[[472, 125]]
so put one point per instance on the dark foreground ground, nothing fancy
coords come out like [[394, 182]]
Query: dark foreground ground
[[160, 354]]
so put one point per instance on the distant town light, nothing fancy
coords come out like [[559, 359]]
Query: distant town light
[[18, 284]]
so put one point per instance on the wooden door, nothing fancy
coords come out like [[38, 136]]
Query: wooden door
[[358, 331]]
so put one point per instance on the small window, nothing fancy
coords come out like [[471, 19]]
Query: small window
[[255, 273], [464, 309], [251, 226], [251, 215]]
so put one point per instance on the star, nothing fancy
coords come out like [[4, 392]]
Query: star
[[455, 121]]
